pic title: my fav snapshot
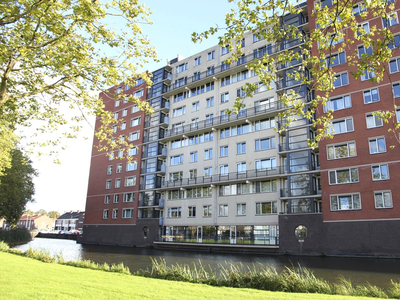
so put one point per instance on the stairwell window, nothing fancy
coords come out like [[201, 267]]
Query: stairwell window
[[343, 176], [345, 202]]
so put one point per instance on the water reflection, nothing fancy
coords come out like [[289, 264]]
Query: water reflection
[[358, 270]]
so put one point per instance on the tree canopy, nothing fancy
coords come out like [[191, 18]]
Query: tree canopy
[[58, 55], [16, 187], [53, 214], [337, 28]]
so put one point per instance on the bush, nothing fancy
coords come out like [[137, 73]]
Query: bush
[[15, 236]]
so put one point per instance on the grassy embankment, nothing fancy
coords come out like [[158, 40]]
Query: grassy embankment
[[26, 278]]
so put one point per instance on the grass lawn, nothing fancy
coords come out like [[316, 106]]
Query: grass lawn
[[25, 278]]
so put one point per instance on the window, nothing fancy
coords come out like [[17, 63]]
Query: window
[[377, 145], [226, 80], [373, 121], [135, 122], [223, 151], [127, 213], [335, 59], [363, 29], [108, 184], [340, 80], [208, 154], [371, 96], [134, 136], [223, 210], [342, 150], [362, 51], [192, 211], [133, 151], [342, 126], [210, 70], [241, 168], [265, 208], [181, 68], [115, 115], [208, 172], [197, 61], [135, 109], [192, 174], [105, 214], [111, 156], [336, 38], [343, 176], [109, 170], [380, 172], [114, 128], [223, 170], [260, 52], [116, 104], [225, 50], [175, 176], [396, 90], [211, 55], [179, 111], [138, 94], [196, 76], [345, 202], [116, 198], [394, 65], [126, 99], [119, 168], [225, 97], [265, 144], [257, 37], [176, 160], [266, 164], [121, 139], [395, 43], [120, 153], [207, 210], [107, 199], [240, 92], [391, 20], [338, 103], [209, 118], [358, 9], [174, 212], [383, 200], [129, 197], [131, 166], [117, 183], [193, 156], [115, 213], [224, 66], [123, 125], [130, 181], [241, 209], [241, 148], [139, 81], [196, 106]]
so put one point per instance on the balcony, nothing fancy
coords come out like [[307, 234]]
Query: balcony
[[299, 192], [225, 178], [164, 121], [218, 122], [151, 203]]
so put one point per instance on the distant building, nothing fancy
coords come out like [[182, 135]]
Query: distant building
[[36, 222], [72, 220]]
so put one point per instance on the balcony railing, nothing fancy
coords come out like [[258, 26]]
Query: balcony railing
[[225, 119], [219, 178], [150, 203]]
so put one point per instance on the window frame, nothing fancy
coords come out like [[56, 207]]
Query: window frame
[[377, 144], [339, 204], [351, 180], [379, 166], [383, 201]]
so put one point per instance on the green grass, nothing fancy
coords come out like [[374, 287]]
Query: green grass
[[25, 278]]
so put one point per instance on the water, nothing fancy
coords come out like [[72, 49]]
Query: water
[[359, 270]]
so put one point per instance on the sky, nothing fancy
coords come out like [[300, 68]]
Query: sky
[[64, 187]]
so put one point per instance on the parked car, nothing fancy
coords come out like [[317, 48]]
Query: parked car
[[75, 232]]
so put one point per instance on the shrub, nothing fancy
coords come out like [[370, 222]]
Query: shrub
[[15, 236]]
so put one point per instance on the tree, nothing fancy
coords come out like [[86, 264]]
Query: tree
[[53, 214], [16, 188], [41, 212], [334, 21], [28, 212], [57, 55]]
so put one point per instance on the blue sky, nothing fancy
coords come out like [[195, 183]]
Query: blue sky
[[64, 187]]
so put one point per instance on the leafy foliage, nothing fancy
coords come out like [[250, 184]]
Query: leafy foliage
[[337, 29], [53, 214], [16, 187]]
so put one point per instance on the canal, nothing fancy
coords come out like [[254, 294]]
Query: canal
[[359, 270]]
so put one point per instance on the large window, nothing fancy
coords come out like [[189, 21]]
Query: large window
[[383, 199], [338, 103], [380, 172], [135, 122], [174, 212], [377, 145], [343, 176], [265, 144], [342, 150], [223, 210], [373, 121], [266, 208], [345, 202], [371, 96], [127, 213]]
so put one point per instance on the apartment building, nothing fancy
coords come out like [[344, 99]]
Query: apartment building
[[206, 178]]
